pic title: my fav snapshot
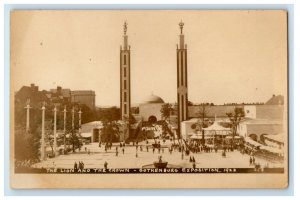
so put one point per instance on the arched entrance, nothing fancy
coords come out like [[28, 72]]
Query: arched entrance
[[152, 119], [262, 138]]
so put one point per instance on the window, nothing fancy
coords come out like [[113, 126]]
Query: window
[[124, 71], [125, 84], [181, 67], [125, 109], [124, 59], [125, 96]]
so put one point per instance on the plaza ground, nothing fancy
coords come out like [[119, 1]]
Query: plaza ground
[[133, 158]]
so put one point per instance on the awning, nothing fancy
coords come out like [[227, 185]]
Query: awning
[[235, 137], [86, 135], [252, 142], [216, 127], [278, 138], [199, 137], [271, 149]]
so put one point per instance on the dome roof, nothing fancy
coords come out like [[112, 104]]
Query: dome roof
[[153, 99]]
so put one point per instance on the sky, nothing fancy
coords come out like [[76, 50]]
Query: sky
[[232, 56]]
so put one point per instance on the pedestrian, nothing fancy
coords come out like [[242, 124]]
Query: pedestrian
[[194, 165], [105, 165], [75, 166], [250, 160], [123, 150], [117, 152], [253, 160], [153, 149], [136, 155], [191, 160], [89, 152], [141, 148], [147, 148]]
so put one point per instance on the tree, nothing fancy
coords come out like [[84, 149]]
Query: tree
[[235, 119], [27, 145], [109, 114], [110, 132], [190, 103], [166, 111], [202, 114]]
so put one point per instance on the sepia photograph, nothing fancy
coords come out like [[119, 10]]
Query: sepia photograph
[[148, 99]]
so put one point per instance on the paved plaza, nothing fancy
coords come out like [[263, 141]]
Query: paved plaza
[[133, 158]]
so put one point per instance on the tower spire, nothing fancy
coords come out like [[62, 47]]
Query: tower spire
[[125, 47], [181, 36], [181, 24], [125, 27]]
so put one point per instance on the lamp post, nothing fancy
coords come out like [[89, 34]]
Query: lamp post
[[54, 131], [65, 119], [43, 133], [73, 111], [79, 113], [27, 114]]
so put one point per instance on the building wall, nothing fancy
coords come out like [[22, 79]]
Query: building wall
[[260, 129], [246, 129], [269, 112], [211, 111], [153, 109], [250, 111], [186, 129]]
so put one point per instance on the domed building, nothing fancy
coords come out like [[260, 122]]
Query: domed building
[[149, 109]]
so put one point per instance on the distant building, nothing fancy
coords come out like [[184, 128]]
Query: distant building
[[31, 92], [276, 100], [86, 97], [63, 93], [59, 96]]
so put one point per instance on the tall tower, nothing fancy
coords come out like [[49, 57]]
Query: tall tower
[[182, 92], [125, 77]]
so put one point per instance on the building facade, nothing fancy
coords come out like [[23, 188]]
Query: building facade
[[86, 97]]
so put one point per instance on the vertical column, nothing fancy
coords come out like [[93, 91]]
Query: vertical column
[[27, 115], [65, 120], [43, 133], [54, 132], [79, 113], [73, 111]]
